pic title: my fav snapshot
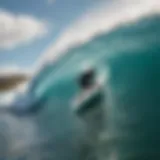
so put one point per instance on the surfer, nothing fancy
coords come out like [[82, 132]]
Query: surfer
[[89, 105], [87, 79], [90, 91]]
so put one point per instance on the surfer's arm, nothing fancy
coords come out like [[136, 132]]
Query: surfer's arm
[[88, 99]]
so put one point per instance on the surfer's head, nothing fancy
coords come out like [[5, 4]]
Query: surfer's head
[[87, 78]]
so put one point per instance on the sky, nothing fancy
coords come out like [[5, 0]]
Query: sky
[[28, 27]]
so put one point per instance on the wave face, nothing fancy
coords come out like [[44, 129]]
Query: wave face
[[129, 57]]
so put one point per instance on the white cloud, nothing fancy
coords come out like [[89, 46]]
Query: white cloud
[[101, 19], [14, 69], [16, 30]]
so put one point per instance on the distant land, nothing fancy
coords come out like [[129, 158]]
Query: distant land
[[9, 82]]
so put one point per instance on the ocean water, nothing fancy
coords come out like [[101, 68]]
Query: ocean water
[[45, 127]]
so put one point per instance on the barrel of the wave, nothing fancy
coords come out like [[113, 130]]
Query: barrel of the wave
[[133, 110]]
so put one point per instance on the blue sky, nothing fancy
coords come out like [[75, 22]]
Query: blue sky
[[56, 14]]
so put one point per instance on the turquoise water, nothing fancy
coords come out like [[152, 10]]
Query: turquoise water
[[129, 59]]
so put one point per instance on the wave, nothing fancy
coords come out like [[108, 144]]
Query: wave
[[101, 19], [130, 56], [136, 36]]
